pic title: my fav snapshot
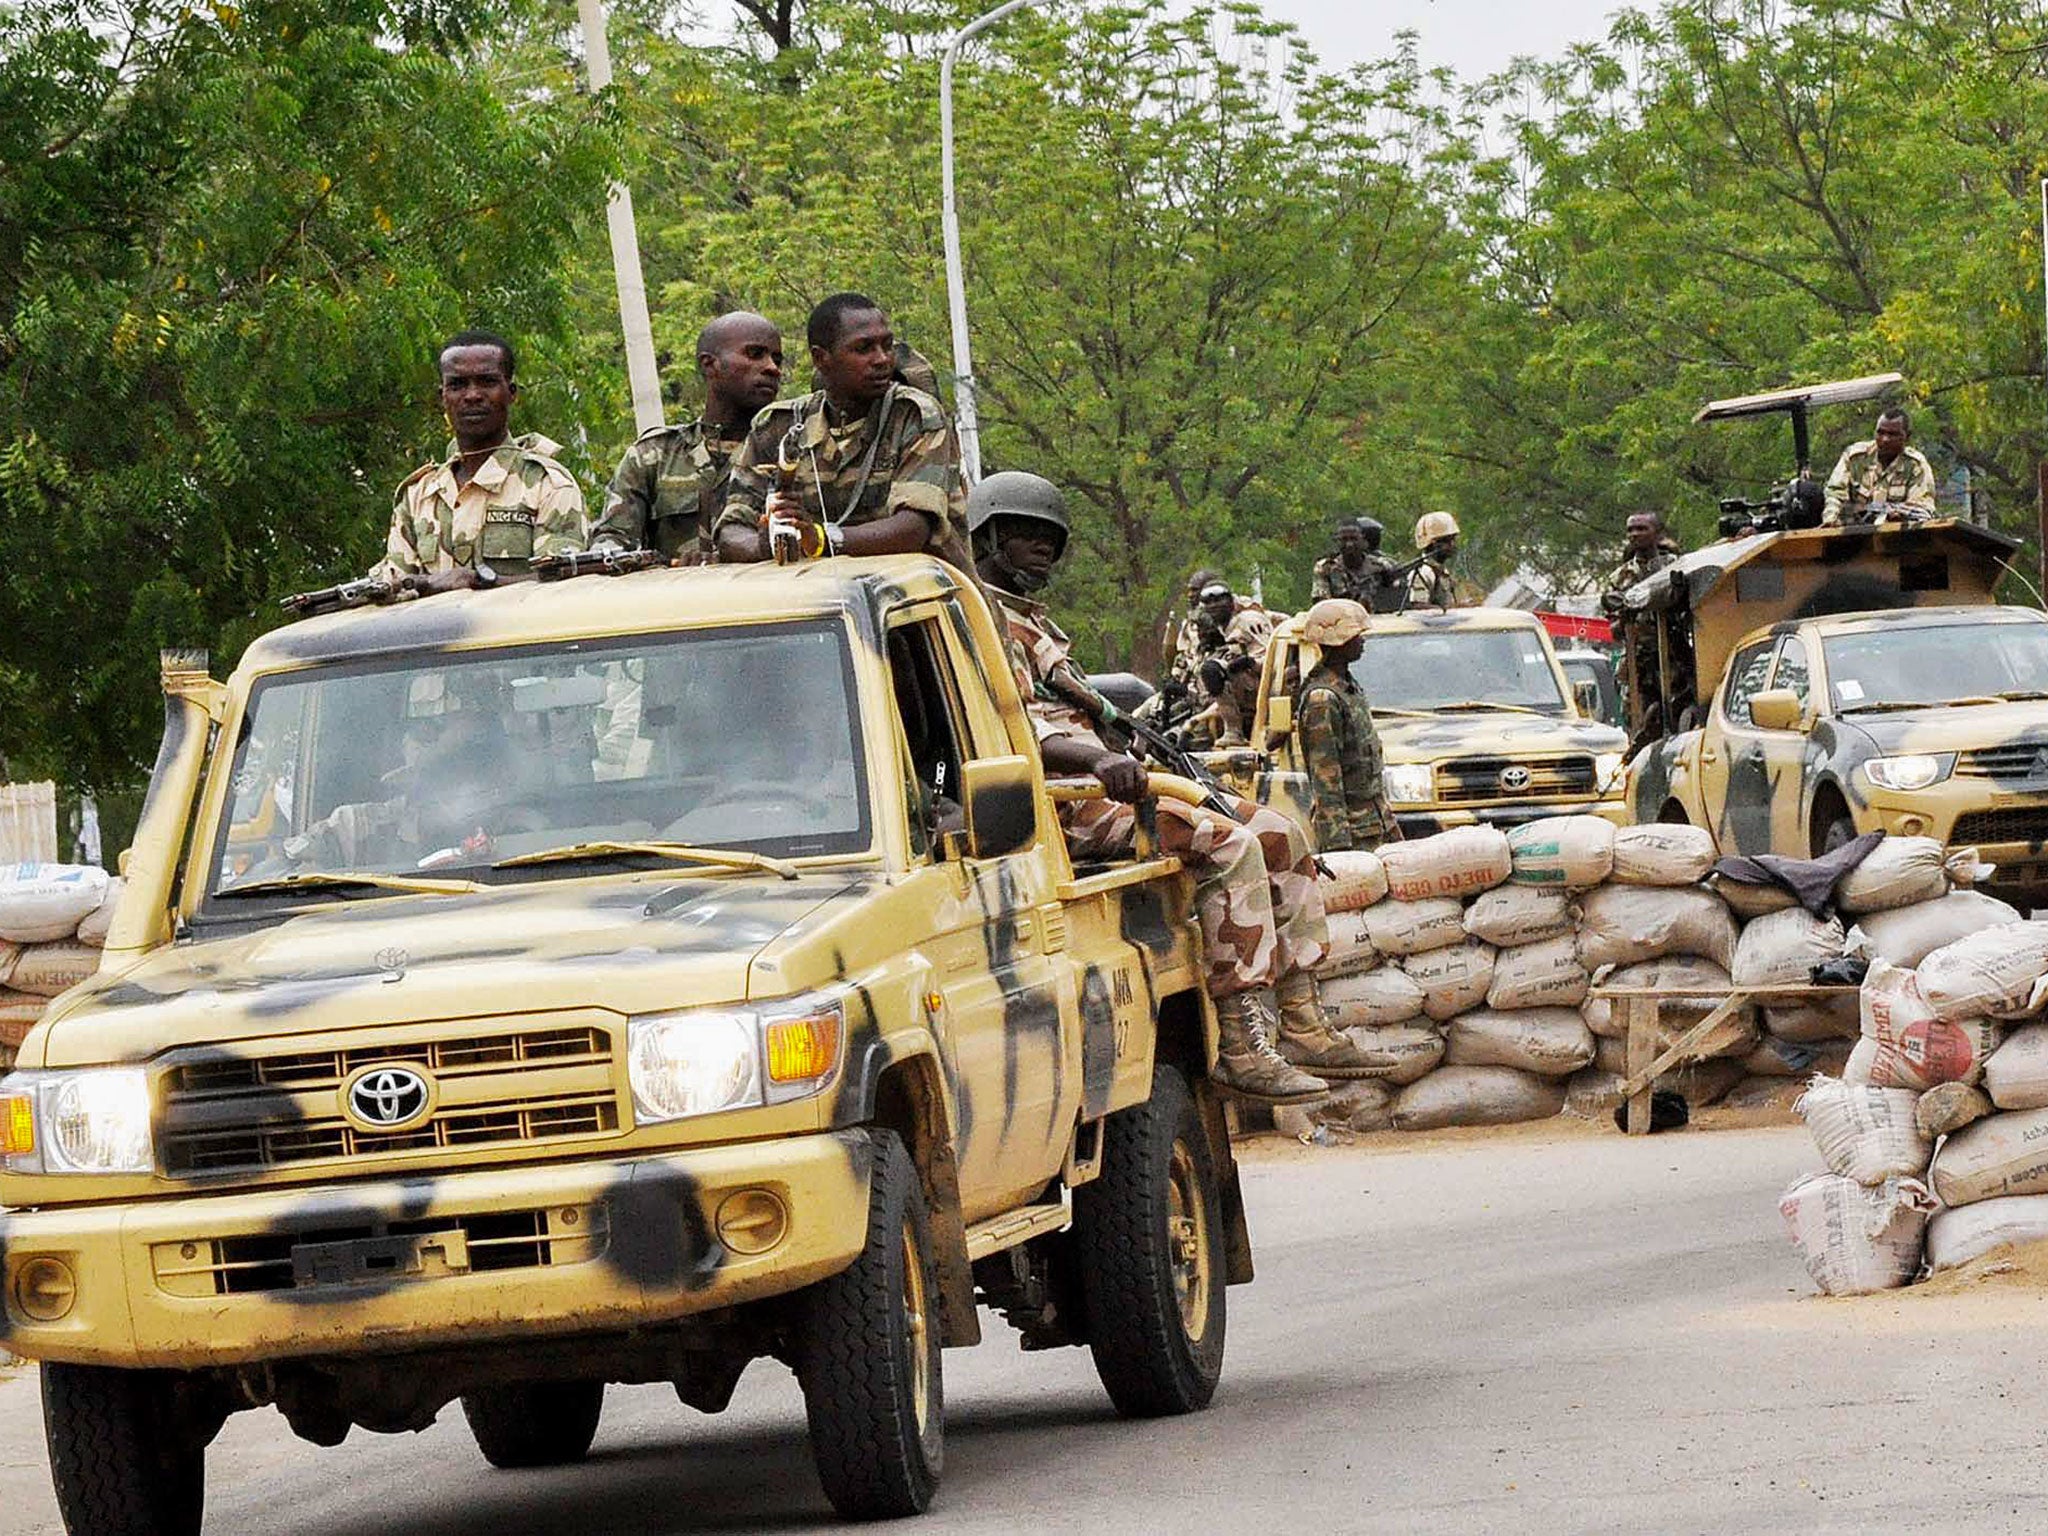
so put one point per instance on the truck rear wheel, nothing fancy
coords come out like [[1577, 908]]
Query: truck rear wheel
[[1150, 1236], [121, 1458], [868, 1356], [535, 1423]]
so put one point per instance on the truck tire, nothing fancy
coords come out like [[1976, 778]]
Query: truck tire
[[1149, 1232], [868, 1356], [120, 1459], [535, 1423]]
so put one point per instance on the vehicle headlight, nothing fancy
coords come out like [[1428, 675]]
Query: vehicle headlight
[[1915, 770], [1409, 783], [704, 1062], [1609, 768], [91, 1121]]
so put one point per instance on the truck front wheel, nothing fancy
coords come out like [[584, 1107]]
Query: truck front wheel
[[1150, 1236], [868, 1356], [122, 1458], [535, 1423]]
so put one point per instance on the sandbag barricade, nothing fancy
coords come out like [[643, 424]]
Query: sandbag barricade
[[53, 920]]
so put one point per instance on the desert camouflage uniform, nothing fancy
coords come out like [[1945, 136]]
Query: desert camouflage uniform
[[1429, 586], [1255, 884], [1333, 578], [1250, 629], [1858, 480], [520, 503], [916, 466], [665, 492], [1347, 792]]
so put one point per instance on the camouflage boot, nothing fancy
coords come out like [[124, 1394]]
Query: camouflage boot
[[1306, 1038], [1246, 1062]]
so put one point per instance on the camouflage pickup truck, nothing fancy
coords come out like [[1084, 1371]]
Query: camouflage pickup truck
[[613, 980]]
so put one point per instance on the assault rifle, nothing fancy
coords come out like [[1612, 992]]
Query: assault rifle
[[1159, 747], [596, 562], [363, 592]]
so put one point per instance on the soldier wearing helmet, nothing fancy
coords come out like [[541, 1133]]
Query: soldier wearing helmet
[[1357, 569], [1436, 542], [1255, 879], [1340, 749]]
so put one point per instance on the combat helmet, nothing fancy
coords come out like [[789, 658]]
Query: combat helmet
[[1017, 493], [1334, 621], [1432, 526]]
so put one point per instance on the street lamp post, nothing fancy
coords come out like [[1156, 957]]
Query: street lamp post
[[639, 330], [965, 405]]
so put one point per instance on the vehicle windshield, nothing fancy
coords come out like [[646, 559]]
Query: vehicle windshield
[[1446, 668], [448, 767], [1906, 665]]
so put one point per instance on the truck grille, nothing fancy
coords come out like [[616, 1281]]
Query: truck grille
[[265, 1110], [2012, 763], [2026, 824], [1467, 779]]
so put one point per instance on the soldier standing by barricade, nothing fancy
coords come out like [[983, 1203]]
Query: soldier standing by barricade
[[1340, 748], [672, 481], [1255, 882], [1649, 550]]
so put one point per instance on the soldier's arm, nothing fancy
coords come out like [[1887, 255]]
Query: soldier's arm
[[401, 555], [1920, 494], [561, 523], [1320, 731], [1837, 490], [628, 503], [1319, 584], [928, 482], [736, 530]]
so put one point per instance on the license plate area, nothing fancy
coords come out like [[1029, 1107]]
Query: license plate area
[[375, 1260]]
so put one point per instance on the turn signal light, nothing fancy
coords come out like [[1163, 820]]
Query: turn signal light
[[802, 1049], [17, 1125]]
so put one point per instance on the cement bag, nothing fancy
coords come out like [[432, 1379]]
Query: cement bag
[[9, 953], [1955, 1237], [1750, 902], [2016, 1074], [1516, 914], [1539, 976], [1476, 1096], [1898, 872], [1671, 975], [1611, 1054], [1999, 1155], [1370, 998], [1621, 924], [19, 1012], [47, 969], [1814, 1023], [1908, 935], [42, 902], [1356, 880], [1856, 1240], [1551, 1042], [1915, 1049], [1702, 1083], [1865, 1134], [1782, 949], [1991, 971], [1360, 1107], [1592, 1093], [1566, 853], [1947, 1107], [1663, 854], [1350, 948], [1453, 978], [1775, 1057], [1398, 1053], [1461, 862], [1410, 927], [1758, 1093], [93, 928]]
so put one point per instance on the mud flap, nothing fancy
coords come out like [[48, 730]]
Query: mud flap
[[1237, 1234]]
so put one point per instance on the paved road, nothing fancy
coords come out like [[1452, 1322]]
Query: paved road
[[1549, 1334]]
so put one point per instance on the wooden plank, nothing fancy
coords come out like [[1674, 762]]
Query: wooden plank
[[1643, 1014], [1787, 993], [1679, 1051]]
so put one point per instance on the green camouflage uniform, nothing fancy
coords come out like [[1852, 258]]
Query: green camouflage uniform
[[520, 503], [916, 465], [1255, 883], [1859, 480], [667, 489], [1640, 634], [1341, 749], [1333, 578]]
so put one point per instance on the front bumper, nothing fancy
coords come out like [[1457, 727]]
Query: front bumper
[[1424, 823], [2009, 829], [504, 1253]]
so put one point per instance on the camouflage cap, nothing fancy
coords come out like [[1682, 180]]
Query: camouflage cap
[[1335, 620]]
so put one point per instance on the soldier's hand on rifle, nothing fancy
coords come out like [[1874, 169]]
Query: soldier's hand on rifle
[[1122, 778]]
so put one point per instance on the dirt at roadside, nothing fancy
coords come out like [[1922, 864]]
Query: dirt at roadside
[[1270, 1147]]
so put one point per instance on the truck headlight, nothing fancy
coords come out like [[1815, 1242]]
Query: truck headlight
[[704, 1062], [1409, 783], [1915, 770], [1609, 769], [97, 1120]]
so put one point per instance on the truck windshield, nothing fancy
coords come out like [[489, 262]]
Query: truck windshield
[[1913, 664], [453, 763], [1447, 668]]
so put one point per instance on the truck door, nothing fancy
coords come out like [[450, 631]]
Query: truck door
[[1749, 775], [1004, 1025]]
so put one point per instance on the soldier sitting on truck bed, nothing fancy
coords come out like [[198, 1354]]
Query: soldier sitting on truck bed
[[1255, 880], [863, 466]]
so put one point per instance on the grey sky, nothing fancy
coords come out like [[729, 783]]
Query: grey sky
[[1474, 37]]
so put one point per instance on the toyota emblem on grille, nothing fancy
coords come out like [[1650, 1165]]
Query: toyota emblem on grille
[[1514, 778], [389, 1098]]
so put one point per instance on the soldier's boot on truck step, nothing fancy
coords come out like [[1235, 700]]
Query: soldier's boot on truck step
[[1246, 1062], [1307, 1039]]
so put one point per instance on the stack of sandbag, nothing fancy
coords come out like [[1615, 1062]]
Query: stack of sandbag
[[53, 919], [1860, 1225]]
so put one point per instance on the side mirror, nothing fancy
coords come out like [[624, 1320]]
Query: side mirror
[[1586, 694], [1279, 715], [1002, 812], [1775, 709]]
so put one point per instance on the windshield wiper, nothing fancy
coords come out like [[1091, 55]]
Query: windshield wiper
[[2025, 693], [682, 853], [1889, 706], [1406, 714], [319, 880], [1519, 709]]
